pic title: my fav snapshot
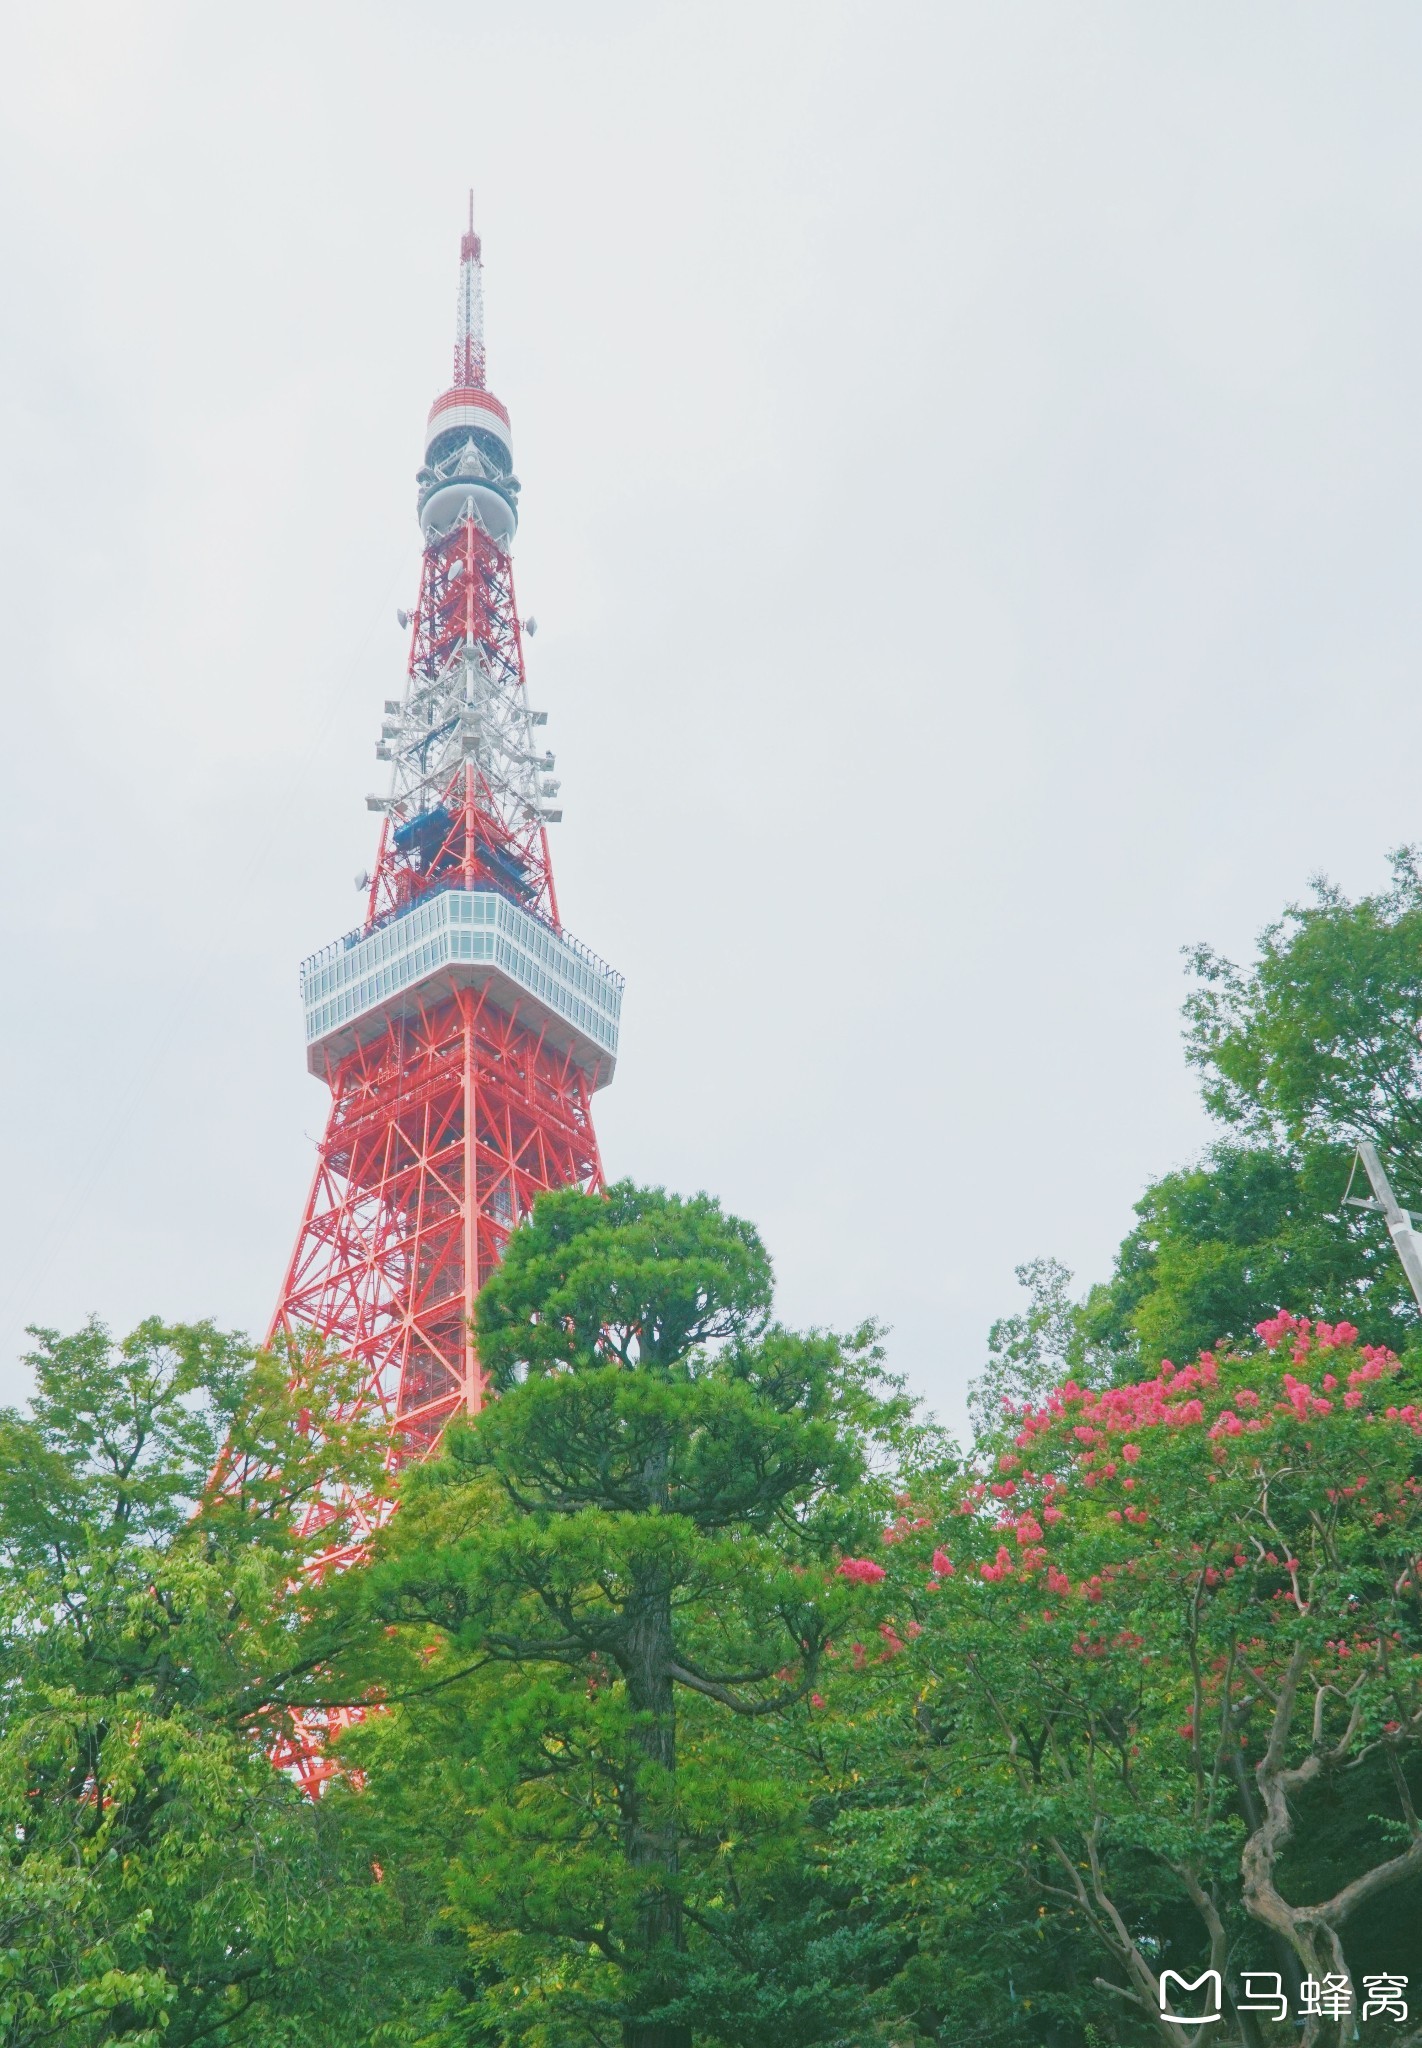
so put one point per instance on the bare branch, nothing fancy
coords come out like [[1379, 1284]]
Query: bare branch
[[789, 1697], [1343, 1904]]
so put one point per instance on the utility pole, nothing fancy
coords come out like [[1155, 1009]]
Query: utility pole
[[1399, 1223]]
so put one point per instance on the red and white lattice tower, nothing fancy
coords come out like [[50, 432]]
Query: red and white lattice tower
[[461, 1031]]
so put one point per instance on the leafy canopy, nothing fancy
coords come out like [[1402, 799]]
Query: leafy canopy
[[1150, 1695], [608, 1596], [161, 1881], [1318, 1040], [1315, 1044]]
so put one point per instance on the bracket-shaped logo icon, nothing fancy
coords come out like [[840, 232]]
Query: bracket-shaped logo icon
[[1186, 1986]]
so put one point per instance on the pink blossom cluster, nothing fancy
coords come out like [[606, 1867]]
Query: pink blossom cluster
[[904, 1523], [861, 1569], [1172, 1399], [1305, 1401], [1097, 1646], [1300, 1334], [1101, 1430], [1168, 1399]]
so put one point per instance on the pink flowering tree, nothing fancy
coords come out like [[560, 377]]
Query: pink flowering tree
[[1147, 1696]]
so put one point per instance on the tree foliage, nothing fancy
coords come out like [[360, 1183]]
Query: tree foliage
[[1032, 1352], [1318, 1040], [1315, 1044], [161, 1882], [1224, 1244], [1149, 1697], [616, 1580], [708, 1698]]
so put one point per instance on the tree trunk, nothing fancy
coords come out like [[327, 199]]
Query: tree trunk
[[649, 1817]]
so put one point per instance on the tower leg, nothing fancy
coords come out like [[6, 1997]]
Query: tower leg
[[442, 1134]]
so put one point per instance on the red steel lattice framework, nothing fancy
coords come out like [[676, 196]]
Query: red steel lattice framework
[[461, 1040]]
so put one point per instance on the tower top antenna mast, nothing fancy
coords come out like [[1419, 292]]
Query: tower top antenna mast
[[469, 318]]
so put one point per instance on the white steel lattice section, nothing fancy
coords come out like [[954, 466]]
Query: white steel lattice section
[[474, 709], [466, 701]]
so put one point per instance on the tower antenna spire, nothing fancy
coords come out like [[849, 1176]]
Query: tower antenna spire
[[469, 317]]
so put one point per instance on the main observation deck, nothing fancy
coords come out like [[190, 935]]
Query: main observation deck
[[462, 938]]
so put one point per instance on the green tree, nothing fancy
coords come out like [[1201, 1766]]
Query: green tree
[[160, 1881], [1318, 1040], [616, 1593], [1151, 1698], [1315, 1044], [1221, 1245], [1030, 1353]]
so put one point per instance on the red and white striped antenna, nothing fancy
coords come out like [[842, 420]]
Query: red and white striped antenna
[[469, 319]]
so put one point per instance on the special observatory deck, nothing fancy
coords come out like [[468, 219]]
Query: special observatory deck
[[462, 938]]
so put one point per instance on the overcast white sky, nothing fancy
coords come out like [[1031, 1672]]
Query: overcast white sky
[[971, 506]]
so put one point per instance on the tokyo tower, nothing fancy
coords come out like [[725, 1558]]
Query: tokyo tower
[[461, 1030]]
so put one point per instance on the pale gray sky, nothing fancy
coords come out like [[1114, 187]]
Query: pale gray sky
[[970, 464]]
